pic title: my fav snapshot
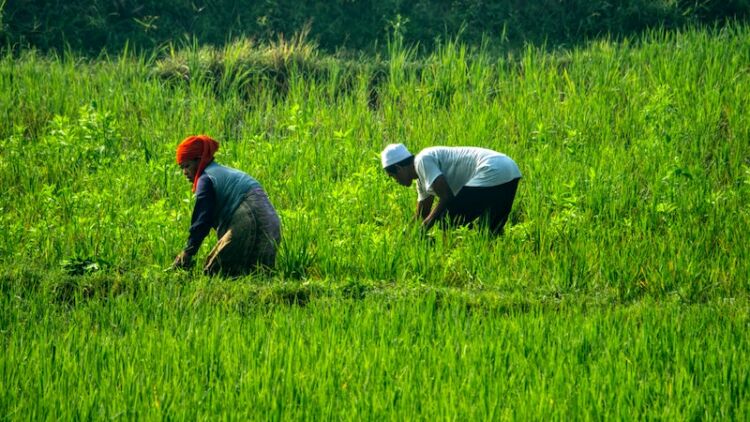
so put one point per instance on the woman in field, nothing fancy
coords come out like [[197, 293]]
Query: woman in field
[[234, 204], [469, 183]]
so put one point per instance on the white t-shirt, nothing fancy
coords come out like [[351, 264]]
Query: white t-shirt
[[462, 166]]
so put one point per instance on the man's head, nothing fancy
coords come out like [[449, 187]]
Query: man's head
[[398, 163]]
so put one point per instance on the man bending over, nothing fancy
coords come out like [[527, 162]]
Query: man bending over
[[469, 182]]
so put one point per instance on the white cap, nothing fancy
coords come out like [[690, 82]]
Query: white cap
[[393, 153]]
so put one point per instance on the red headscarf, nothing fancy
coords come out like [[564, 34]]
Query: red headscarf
[[197, 147]]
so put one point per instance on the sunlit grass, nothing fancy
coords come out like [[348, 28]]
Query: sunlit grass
[[620, 288]]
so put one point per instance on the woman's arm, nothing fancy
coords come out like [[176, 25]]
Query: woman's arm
[[201, 222]]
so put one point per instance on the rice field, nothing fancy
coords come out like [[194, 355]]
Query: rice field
[[619, 291]]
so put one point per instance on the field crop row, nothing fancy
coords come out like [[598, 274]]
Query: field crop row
[[619, 290]]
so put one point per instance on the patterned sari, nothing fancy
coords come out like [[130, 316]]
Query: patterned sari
[[250, 240]]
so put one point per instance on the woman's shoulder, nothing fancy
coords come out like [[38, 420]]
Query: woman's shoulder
[[204, 184]]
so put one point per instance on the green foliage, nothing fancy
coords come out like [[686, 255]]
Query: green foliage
[[163, 349], [263, 70], [622, 148], [91, 26], [618, 291], [80, 266]]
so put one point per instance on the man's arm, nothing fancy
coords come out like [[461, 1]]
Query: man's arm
[[423, 208], [445, 197]]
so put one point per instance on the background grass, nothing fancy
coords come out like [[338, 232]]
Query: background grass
[[89, 26], [619, 290]]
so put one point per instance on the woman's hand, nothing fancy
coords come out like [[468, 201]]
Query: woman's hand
[[183, 261]]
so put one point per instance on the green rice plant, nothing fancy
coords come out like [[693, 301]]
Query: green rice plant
[[425, 352], [619, 289]]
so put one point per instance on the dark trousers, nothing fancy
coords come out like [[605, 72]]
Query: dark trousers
[[493, 203]]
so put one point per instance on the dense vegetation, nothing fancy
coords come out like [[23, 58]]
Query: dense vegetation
[[86, 25], [620, 289]]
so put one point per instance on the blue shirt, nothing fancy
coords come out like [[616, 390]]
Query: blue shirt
[[218, 193]]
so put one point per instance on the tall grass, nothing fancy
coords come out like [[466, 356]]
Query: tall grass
[[632, 209], [634, 161], [188, 352]]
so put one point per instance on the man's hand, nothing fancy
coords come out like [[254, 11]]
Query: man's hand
[[445, 197], [183, 261], [423, 208]]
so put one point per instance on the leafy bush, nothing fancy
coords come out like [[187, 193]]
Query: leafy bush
[[355, 24]]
